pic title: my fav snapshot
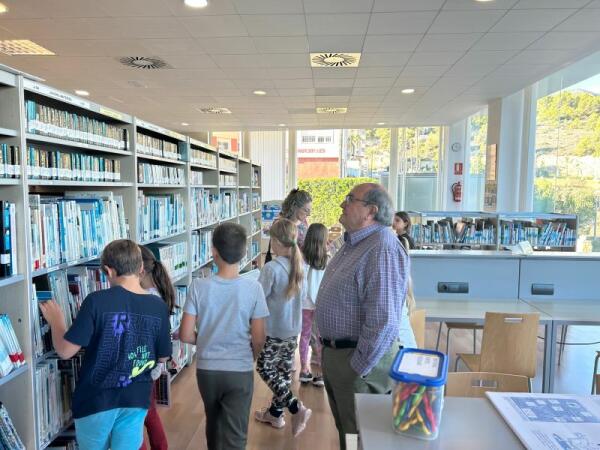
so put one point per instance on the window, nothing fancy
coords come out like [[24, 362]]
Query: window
[[567, 153], [228, 141], [475, 178], [308, 139]]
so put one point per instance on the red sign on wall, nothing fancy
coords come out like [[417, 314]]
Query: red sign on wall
[[458, 168]]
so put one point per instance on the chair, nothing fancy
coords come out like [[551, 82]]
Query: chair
[[508, 345], [417, 323], [458, 326], [596, 377], [476, 384]]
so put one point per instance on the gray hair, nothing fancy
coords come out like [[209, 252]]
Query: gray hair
[[378, 196]]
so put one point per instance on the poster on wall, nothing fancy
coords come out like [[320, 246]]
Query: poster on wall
[[270, 211], [490, 196]]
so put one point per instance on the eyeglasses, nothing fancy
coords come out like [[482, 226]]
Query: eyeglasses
[[350, 198]]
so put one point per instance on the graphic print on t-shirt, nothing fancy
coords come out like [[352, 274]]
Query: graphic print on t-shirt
[[125, 350]]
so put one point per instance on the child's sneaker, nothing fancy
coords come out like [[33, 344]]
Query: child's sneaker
[[265, 416], [300, 419], [305, 377], [318, 381]]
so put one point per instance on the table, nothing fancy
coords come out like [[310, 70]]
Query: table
[[564, 312], [467, 424], [470, 310]]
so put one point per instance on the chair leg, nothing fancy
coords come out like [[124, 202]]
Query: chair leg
[[529, 383], [595, 372], [437, 343], [474, 340], [563, 338], [448, 341], [456, 363]]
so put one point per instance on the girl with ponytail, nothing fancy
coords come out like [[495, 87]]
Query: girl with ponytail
[[284, 281], [156, 280]]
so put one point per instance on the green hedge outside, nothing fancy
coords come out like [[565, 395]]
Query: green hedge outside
[[327, 195]]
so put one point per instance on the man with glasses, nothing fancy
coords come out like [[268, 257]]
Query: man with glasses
[[360, 302]]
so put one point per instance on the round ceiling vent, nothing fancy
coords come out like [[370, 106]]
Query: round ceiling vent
[[334, 59], [143, 62]]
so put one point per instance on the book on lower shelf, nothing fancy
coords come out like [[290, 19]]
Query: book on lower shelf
[[229, 204], [64, 443], [177, 314], [543, 230], [11, 355], [158, 174], [204, 158], [182, 355], [160, 215], [8, 239], [172, 255], [205, 207], [201, 247], [9, 438], [10, 161], [148, 145]]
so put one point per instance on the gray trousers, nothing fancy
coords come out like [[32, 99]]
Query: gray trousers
[[341, 383], [227, 397]]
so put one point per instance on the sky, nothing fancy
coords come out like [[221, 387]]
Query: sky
[[591, 84]]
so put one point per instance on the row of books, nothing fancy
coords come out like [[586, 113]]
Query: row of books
[[227, 180], [255, 176], [256, 203], [59, 165], [11, 355], [157, 174], [10, 161], [245, 202], [76, 226], [172, 255], [254, 224], [9, 438], [53, 122], [64, 443], [204, 158], [160, 215], [557, 235], [55, 382], [148, 145], [227, 164], [229, 204], [201, 247], [196, 178], [445, 232], [182, 355], [8, 239], [177, 315], [205, 207]]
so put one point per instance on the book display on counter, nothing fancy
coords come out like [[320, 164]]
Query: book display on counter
[[74, 176]]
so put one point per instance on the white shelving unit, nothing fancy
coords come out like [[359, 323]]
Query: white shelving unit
[[17, 390]]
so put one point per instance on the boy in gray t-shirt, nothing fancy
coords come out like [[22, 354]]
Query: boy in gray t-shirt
[[224, 317]]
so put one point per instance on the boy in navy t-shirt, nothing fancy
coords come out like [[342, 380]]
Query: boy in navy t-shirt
[[124, 331]]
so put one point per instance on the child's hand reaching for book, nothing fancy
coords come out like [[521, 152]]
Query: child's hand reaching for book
[[53, 314]]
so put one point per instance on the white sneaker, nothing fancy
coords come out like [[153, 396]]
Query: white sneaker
[[300, 419], [265, 416]]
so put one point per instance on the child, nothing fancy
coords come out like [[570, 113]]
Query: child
[[401, 226], [156, 280], [315, 255], [228, 312], [284, 285], [125, 331]]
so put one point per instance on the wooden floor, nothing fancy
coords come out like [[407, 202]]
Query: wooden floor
[[184, 420]]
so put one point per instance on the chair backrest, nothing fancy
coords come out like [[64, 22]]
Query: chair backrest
[[417, 323], [598, 384], [476, 384], [509, 343]]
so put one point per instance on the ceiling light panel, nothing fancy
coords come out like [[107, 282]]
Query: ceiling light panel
[[23, 47], [334, 59], [331, 110], [214, 111]]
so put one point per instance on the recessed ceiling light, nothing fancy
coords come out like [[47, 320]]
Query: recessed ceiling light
[[380, 123], [196, 3], [408, 91], [214, 110], [82, 93], [484, 1], [23, 47], [331, 110], [281, 125], [3, 8], [259, 93], [184, 124], [334, 59]]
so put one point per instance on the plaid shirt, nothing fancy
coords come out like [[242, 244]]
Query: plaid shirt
[[362, 292]]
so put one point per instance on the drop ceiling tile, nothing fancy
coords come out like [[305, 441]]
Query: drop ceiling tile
[[507, 41], [294, 84], [406, 5], [326, 72], [400, 23], [466, 5], [532, 20], [424, 71], [378, 72], [541, 57], [473, 69], [250, 60], [351, 44], [404, 82], [337, 6], [594, 4], [189, 61], [178, 8], [566, 40], [434, 58], [214, 26], [374, 82], [268, 6], [290, 74], [492, 57], [282, 44], [392, 59], [253, 84], [584, 20], [337, 24], [283, 60], [336, 82], [228, 45], [297, 92], [448, 42], [543, 4], [54, 8], [458, 81], [328, 100], [465, 21], [131, 8], [275, 24], [366, 100], [367, 91], [392, 43], [337, 91], [186, 46]]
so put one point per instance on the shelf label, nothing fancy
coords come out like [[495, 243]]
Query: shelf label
[[55, 93], [111, 113]]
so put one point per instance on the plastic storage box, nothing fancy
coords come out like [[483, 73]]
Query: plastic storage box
[[418, 397]]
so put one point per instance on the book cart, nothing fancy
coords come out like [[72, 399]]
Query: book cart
[[75, 175]]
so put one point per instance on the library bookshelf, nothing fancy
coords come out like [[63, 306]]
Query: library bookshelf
[[163, 189]]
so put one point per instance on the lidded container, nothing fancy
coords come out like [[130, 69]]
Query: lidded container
[[418, 396]]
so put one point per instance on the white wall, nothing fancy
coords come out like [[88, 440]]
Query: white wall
[[456, 134], [268, 149]]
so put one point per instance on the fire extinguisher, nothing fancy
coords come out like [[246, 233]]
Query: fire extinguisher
[[456, 191]]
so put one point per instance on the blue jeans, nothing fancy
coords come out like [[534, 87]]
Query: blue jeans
[[117, 429]]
